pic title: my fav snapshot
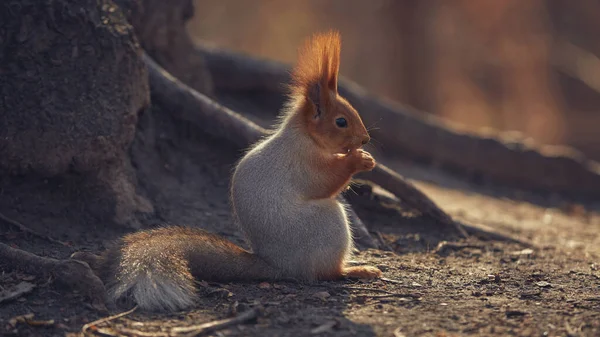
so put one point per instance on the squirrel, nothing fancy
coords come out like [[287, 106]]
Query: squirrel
[[284, 195]]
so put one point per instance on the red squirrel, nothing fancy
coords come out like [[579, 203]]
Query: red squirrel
[[284, 197]]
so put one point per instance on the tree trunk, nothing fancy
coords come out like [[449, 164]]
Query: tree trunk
[[161, 28], [72, 84]]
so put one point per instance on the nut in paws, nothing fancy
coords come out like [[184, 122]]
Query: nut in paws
[[367, 162]]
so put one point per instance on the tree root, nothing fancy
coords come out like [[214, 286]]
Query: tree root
[[498, 156], [410, 195], [71, 273], [361, 233], [218, 121], [29, 231], [483, 233], [188, 105]]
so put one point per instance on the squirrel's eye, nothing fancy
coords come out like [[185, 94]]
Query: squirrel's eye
[[341, 122]]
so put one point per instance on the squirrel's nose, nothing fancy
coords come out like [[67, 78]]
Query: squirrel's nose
[[366, 139]]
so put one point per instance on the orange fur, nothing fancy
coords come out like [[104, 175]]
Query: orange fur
[[362, 272], [318, 63], [314, 84], [314, 87], [357, 272], [336, 171]]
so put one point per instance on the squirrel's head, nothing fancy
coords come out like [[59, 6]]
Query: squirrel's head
[[325, 116]]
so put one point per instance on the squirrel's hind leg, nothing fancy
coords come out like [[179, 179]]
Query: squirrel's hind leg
[[358, 272], [361, 272]]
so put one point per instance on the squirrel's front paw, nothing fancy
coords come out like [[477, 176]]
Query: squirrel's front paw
[[365, 161]]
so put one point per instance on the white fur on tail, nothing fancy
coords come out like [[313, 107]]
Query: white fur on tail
[[155, 292]]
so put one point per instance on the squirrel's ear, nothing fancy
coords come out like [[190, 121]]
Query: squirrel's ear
[[332, 82], [314, 94], [316, 74], [333, 64]]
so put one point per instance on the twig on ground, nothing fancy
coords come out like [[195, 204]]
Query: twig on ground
[[188, 331], [325, 327], [444, 247], [87, 326], [196, 330], [385, 279], [29, 231], [139, 333], [406, 297], [19, 290], [386, 292], [382, 241], [398, 332]]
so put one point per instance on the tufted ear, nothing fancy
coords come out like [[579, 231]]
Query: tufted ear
[[334, 64], [315, 93], [316, 73]]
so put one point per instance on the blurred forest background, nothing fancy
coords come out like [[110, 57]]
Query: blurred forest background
[[527, 66]]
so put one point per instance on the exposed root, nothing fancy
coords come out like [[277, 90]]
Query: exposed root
[[490, 234], [410, 195], [71, 273], [29, 231], [361, 234]]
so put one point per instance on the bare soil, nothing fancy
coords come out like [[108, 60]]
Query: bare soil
[[467, 287]]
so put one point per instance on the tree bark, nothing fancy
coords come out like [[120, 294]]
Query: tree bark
[[72, 83], [160, 27]]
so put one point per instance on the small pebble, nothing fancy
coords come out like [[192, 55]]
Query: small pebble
[[543, 284], [321, 295], [264, 285]]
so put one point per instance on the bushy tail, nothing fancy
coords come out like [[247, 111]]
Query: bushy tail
[[143, 279], [154, 288], [150, 268], [155, 268]]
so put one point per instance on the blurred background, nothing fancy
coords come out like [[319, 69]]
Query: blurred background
[[529, 66]]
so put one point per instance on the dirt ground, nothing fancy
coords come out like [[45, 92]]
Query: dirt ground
[[467, 287]]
